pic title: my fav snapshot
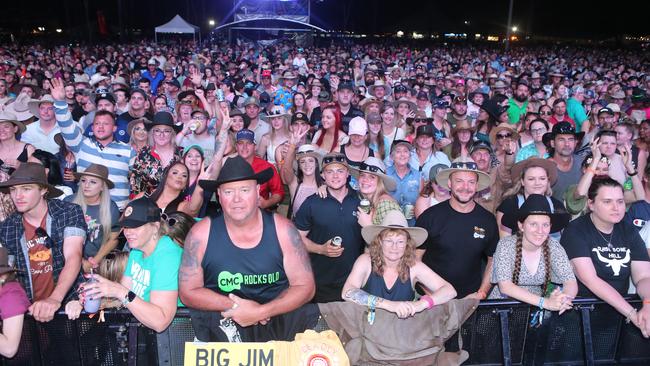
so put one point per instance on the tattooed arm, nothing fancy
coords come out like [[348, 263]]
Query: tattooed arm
[[352, 291], [191, 288], [297, 267]]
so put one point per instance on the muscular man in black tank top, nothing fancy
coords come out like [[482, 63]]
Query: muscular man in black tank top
[[246, 267]]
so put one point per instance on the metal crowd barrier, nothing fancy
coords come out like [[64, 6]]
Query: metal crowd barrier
[[498, 333]]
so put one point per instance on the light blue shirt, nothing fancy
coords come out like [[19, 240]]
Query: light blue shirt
[[34, 135], [407, 191]]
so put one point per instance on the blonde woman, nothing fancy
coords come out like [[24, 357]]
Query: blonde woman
[[279, 120], [374, 185], [100, 211]]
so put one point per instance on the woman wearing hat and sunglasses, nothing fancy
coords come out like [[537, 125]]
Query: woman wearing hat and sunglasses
[[528, 266], [101, 214], [385, 276], [148, 167], [149, 287], [13, 306]]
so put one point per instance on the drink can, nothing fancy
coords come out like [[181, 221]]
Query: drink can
[[365, 205], [91, 306], [194, 126], [337, 241], [220, 96], [409, 211]]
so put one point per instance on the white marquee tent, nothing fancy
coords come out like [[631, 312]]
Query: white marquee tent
[[178, 25]]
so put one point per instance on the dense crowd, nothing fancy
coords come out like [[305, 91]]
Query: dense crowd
[[254, 184]]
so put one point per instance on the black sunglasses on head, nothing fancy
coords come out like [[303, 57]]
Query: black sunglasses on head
[[370, 168], [40, 232], [333, 159], [499, 137]]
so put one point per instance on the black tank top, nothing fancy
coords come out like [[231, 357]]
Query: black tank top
[[256, 273], [401, 291]]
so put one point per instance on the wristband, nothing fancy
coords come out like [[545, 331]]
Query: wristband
[[540, 304], [429, 300], [372, 302], [481, 294], [633, 174], [646, 301]]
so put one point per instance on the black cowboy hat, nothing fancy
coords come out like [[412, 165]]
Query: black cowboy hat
[[537, 204], [163, 118], [236, 169], [493, 108], [562, 128]]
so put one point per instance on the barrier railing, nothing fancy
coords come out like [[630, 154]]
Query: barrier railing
[[498, 333]]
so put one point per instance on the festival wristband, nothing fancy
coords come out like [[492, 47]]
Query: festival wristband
[[481, 294], [540, 304], [429, 300], [646, 301]]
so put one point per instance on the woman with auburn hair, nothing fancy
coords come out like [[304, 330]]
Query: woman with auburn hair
[[384, 277]]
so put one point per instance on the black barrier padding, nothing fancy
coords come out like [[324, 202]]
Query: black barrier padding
[[559, 341], [565, 338]]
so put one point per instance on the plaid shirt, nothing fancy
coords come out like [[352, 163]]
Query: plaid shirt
[[64, 219]]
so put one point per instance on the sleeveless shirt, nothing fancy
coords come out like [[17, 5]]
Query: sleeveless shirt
[[255, 273], [401, 291]]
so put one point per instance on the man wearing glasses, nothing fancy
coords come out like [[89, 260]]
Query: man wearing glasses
[[101, 148], [45, 236], [197, 133], [320, 220]]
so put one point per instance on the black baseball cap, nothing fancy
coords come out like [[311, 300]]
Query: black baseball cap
[[105, 96], [424, 130], [299, 116], [139, 212], [348, 86]]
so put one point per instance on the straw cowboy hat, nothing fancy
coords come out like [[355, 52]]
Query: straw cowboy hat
[[367, 102], [97, 78], [412, 106], [377, 168], [30, 173], [34, 104], [20, 107], [503, 127], [380, 84], [97, 171], [307, 151], [463, 165], [11, 118], [394, 219], [546, 164]]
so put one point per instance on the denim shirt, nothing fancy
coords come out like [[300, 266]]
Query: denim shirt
[[407, 191]]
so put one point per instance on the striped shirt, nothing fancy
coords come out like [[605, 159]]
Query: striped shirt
[[117, 156]]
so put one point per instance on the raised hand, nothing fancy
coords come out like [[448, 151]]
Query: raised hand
[[57, 90]]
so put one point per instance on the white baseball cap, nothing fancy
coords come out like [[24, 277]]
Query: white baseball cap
[[358, 126]]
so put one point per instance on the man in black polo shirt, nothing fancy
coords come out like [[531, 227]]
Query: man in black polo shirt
[[344, 96], [461, 232], [320, 219]]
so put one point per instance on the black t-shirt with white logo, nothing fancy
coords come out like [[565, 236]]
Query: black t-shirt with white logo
[[612, 261], [457, 244]]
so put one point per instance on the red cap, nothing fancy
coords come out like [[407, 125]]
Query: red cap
[[266, 73]]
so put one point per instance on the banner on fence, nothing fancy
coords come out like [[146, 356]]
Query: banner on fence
[[308, 349]]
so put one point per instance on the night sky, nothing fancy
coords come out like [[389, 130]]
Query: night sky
[[582, 19]]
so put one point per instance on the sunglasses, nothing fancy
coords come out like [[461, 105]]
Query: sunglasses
[[506, 136], [170, 220], [370, 168], [546, 113], [334, 159], [420, 120], [40, 232]]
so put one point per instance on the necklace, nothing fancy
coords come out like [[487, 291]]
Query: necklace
[[609, 242]]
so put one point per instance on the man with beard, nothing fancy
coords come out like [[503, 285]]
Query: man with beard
[[458, 110], [563, 139], [461, 233], [518, 103]]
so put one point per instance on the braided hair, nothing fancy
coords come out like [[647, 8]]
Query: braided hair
[[546, 253]]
